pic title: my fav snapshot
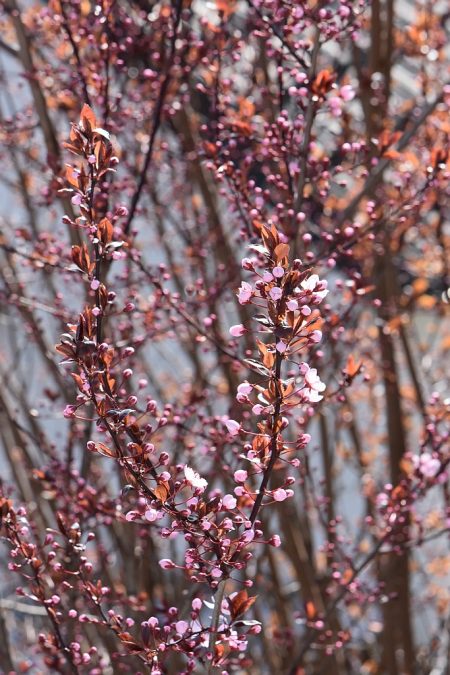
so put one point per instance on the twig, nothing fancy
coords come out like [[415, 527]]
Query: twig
[[156, 119]]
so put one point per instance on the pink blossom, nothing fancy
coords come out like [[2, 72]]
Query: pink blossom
[[257, 409], [267, 277], [193, 478], [181, 627], [335, 105], [310, 283], [276, 293], [280, 495], [278, 272], [237, 330], [281, 347], [347, 92], [429, 465], [152, 515], [166, 564], [318, 296], [196, 604], [69, 411], [382, 500], [313, 384], [229, 502], [232, 426], [240, 476], [248, 536], [247, 264], [76, 199], [315, 336], [244, 293], [292, 305], [216, 573], [275, 540], [245, 388], [313, 380]]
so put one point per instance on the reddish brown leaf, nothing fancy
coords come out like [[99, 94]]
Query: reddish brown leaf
[[353, 367], [162, 492], [87, 118]]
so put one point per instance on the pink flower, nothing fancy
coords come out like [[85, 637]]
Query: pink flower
[[244, 293], [233, 427], [275, 293], [335, 105], [257, 409], [248, 536], [310, 283], [216, 573], [237, 330], [278, 272], [151, 515], [313, 384], [281, 347], [76, 199], [347, 92], [429, 466], [193, 478], [312, 380], [69, 411], [275, 540], [315, 336], [181, 627], [229, 502], [245, 388], [132, 515], [240, 476], [167, 564], [382, 500], [292, 305], [280, 495], [196, 604], [247, 264], [267, 277]]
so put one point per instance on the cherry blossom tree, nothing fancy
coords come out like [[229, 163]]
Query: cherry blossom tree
[[224, 286]]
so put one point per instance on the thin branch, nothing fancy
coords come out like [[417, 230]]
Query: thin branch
[[156, 118]]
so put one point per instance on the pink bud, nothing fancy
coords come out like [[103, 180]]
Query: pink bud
[[166, 564], [233, 427], [69, 411], [229, 502], [237, 330], [276, 293], [181, 627], [245, 388], [278, 272], [240, 476]]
